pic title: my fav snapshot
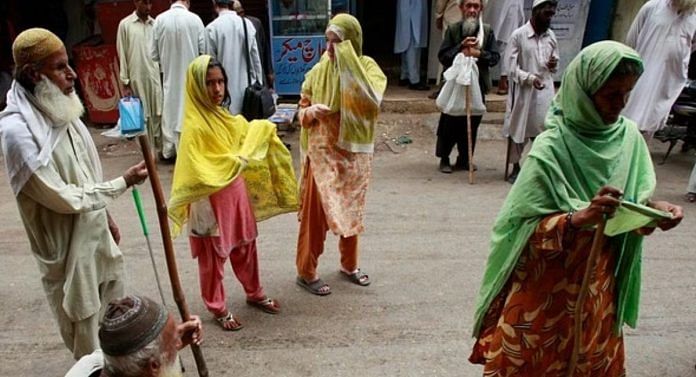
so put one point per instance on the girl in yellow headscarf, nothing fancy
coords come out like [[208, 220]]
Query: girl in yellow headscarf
[[220, 155], [340, 103]]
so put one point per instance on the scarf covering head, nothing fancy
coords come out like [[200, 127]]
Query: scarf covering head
[[217, 147], [352, 85], [568, 164]]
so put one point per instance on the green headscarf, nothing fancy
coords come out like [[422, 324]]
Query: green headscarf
[[568, 164], [353, 84]]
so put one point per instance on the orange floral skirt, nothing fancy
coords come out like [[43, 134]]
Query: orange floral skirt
[[528, 329]]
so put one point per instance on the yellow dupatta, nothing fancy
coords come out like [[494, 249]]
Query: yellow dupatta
[[353, 84], [216, 147]]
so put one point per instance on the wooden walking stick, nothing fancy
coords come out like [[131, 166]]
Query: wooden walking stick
[[469, 141], [177, 292], [597, 245], [507, 159]]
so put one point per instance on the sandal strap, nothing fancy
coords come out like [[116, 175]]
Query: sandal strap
[[227, 318], [266, 301]]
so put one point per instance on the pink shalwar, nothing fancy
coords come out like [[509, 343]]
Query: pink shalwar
[[236, 241]]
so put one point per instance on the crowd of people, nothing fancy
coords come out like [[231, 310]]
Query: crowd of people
[[589, 158]]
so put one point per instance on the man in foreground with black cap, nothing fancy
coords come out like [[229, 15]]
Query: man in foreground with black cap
[[138, 338]]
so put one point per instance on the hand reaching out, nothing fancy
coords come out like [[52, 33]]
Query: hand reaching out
[[136, 174]]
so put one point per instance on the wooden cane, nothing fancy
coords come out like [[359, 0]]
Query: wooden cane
[[507, 159], [597, 245], [468, 135], [177, 291]]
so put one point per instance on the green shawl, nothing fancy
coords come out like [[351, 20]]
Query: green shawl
[[352, 85], [568, 163]]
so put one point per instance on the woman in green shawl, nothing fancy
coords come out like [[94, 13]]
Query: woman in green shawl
[[578, 171]]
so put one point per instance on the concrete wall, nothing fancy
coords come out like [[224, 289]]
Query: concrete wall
[[626, 11]]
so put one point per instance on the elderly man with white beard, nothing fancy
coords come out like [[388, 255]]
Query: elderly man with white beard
[[664, 34], [56, 176], [138, 338], [473, 38]]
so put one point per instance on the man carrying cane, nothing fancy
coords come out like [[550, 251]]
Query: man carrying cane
[[56, 176], [472, 38]]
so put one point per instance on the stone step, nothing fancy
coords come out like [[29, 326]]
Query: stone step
[[399, 99]]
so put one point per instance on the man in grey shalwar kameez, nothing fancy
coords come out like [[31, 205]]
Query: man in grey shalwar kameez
[[411, 38], [55, 173]]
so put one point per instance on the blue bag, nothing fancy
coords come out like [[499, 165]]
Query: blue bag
[[131, 115]]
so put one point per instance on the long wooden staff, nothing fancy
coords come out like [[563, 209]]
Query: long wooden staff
[[177, 292], [597, 245], [468, 135], [507, 159]]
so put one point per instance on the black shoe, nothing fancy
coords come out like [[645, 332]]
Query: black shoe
[[445, 166], [404, 82], [464, 165], [513, 176], [434, 94], [418, 86]]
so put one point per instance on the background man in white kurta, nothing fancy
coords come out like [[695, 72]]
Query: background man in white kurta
[[504, 16], [139, 74], [223, 39], [664, 34], [56, 175], [532, 60], [175, 43], [411, 37]]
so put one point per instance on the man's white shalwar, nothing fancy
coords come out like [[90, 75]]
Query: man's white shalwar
[[223, 39], [175, 43], [55, 174], [665, 40], [527, 56]]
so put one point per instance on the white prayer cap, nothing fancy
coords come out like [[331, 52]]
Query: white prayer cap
[[536, 3]]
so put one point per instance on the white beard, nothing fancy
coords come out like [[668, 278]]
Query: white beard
[[60, 107], [683, 6], [172, 370], [470, 25]]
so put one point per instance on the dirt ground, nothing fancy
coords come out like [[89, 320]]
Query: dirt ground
[[425, 248]]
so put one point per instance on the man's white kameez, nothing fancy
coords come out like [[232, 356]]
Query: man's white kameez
[[665, 40], [527, 56], [504, 16], [62, 203], [138, 70], [175, 43], [223, 39]]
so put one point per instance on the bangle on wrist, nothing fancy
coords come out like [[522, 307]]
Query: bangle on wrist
[[569, 220]]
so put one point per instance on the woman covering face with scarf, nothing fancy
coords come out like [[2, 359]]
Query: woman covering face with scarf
[[340, 103]]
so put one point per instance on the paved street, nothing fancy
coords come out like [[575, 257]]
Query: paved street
[[425, 248]]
